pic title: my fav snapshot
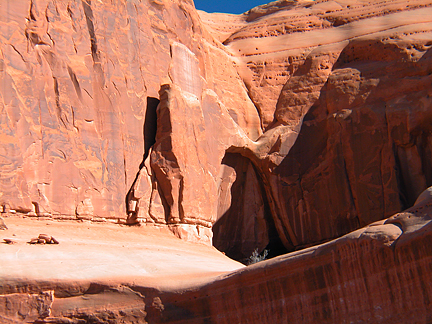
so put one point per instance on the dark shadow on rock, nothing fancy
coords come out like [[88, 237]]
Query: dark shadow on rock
[[150, 126], [351, 161], [149, 139], [247, 223]]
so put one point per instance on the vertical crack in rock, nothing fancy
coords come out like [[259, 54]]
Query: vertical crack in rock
[[97, 64], [181, 212], [149, 139], [57, 102], [90, 26], [75, 83], [31, 13], [70, 13], [18, 52], [403, 197], [31, 27], [340, 119], [150, 126]]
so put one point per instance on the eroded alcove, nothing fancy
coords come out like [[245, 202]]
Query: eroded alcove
[[244, 220]]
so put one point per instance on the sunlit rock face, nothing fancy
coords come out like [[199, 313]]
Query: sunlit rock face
[[80, 85], [343, 93], [292, 124], [376, 274]]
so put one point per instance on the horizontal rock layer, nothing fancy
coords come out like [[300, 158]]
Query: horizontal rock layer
[[377, 274], [290, 125], [343, 92]]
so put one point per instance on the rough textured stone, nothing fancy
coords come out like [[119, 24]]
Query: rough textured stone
[[290, 125], [80, 88], [130, 113], [90, 276], [376, 274], [343, 95]]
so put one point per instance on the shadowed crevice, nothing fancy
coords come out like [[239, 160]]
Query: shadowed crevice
[[87, 6], [246, 223], [150, 126], [149, 139]]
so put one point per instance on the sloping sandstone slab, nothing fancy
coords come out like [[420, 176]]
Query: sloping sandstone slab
[[70, 278], [377, 274]]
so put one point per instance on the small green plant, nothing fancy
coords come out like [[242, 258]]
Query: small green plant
[[256, 257]]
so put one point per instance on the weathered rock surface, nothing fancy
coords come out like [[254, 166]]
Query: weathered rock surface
[[343, 92], [81, 81], [290, 125], [92, 272], [377, 274]]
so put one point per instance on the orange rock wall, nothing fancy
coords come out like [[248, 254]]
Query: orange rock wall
[[378, 274], [80, 88], [286, 126], [343, 91]]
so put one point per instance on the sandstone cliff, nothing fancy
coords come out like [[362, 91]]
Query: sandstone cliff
[[81, 81], [343, 94], [293, 124], [289, 125], [83, 136]]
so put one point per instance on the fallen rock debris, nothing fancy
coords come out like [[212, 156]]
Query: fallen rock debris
[[43, 239]]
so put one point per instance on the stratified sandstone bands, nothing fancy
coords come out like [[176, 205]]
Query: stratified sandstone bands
[[343, 92], [377, 274], [292, 124], [89, 259], [138, 112], [288, 126]]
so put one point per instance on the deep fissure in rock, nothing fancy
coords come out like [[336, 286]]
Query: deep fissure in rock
[[150, 126], [149, 135]]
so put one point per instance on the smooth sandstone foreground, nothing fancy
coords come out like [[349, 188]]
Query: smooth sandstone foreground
[[377, 274], [296, 124]]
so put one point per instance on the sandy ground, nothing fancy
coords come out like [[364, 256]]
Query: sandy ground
[[143, 255]]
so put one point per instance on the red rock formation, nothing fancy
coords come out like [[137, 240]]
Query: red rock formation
[[80, 81], [377, 274], [129, 114], [343, 101], [290, 125]]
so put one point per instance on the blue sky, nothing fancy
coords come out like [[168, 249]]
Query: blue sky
[[229, 6]]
